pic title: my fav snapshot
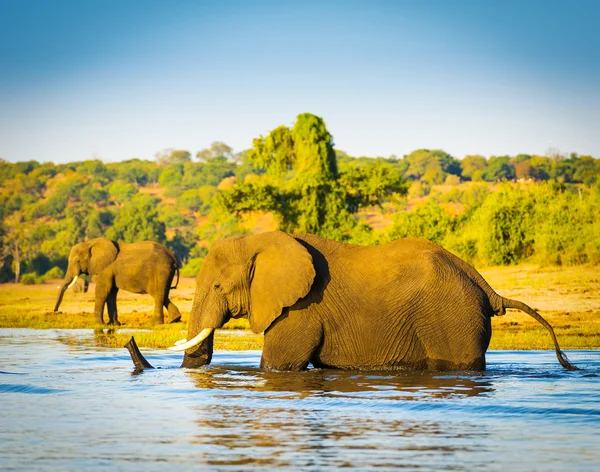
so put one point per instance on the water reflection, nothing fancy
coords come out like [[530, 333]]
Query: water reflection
[[331, 435], [342, 384], [104, 337], [330, 418]]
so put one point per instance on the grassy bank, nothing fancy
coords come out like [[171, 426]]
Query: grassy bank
[[569, 298]]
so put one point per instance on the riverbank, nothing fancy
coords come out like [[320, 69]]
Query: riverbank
[[567, 297]]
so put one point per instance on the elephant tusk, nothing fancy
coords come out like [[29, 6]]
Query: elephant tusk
[[205, 333], [73, 283], [181, 341]]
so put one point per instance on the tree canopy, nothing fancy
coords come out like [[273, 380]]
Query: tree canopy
[[496, 210]]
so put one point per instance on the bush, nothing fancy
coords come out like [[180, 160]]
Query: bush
[[363, 234], [171, 177], [172, 217], [452, 180], [419, 189], [122, 192], [549, 223], [192, 268], [568, 231], [54, 273], [197, 199], [499, 232], [138, 221], [31, 278], [429, 221]]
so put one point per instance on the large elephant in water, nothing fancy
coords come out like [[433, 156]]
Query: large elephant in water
[[142, 267], [408, 304]]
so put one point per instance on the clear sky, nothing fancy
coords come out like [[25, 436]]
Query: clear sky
[[123, 79]]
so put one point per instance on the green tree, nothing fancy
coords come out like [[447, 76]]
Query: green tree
[[216, 149], [471, 164], [245, 167], [196, 200], [499, 168], [437, 162], [171, 177], [68, 191], [429, 221], [542, 167], [586, 170], [275, 153], [217, 168], [181, 244], [121, 192], [172, 217], [134, 171], [97, 223], [303, 186], [173, 156], [93, 195], [371, 185], [138, 221], [96, 171], [14, 240]]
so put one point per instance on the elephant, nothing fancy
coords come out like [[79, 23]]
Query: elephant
[[142, 267], [409, 304]]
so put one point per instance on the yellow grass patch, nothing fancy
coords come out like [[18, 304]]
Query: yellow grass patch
[[567, 297]]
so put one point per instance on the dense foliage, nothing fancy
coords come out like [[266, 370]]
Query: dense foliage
[[500, 210]]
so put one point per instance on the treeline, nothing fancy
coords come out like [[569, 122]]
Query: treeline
[[547, 223], [296, 175]]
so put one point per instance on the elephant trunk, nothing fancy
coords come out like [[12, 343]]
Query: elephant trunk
[[68, 283], [209, 312], [200, 356]]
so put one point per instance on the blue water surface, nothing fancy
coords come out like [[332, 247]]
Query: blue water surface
[[66, 404]]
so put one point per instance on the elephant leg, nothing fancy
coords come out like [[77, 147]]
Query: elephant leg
[[104, 285], [111, 301], [159, 290], [290, 343], [174, 315], [159, 317]]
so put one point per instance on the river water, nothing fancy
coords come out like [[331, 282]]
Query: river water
[[66, 404]]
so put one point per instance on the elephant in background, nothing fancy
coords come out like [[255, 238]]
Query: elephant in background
[[409, 304], [142, 267], [81, 285]]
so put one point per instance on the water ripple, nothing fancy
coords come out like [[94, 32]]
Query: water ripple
[[524, 413], [19, 388]]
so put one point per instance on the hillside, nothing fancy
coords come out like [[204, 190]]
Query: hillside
[[497, 211]]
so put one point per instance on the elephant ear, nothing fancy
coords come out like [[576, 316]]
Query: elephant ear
[[102, 253], [282, 273]]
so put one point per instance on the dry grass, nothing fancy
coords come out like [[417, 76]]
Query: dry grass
[[569, 298]]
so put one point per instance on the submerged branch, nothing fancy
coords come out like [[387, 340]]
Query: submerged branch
[[139, 361]]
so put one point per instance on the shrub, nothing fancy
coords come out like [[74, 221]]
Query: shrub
[[31, 278], [54, 273], [567, 229], [452, 180], [429, 221], [419, 189], [192, 268]]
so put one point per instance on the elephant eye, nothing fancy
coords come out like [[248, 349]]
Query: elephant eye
[[217, 286]]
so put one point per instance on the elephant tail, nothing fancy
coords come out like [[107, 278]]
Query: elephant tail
[[561, 356], [176, 283]]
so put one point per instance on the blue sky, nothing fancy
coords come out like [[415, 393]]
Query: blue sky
[[123, 79]]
